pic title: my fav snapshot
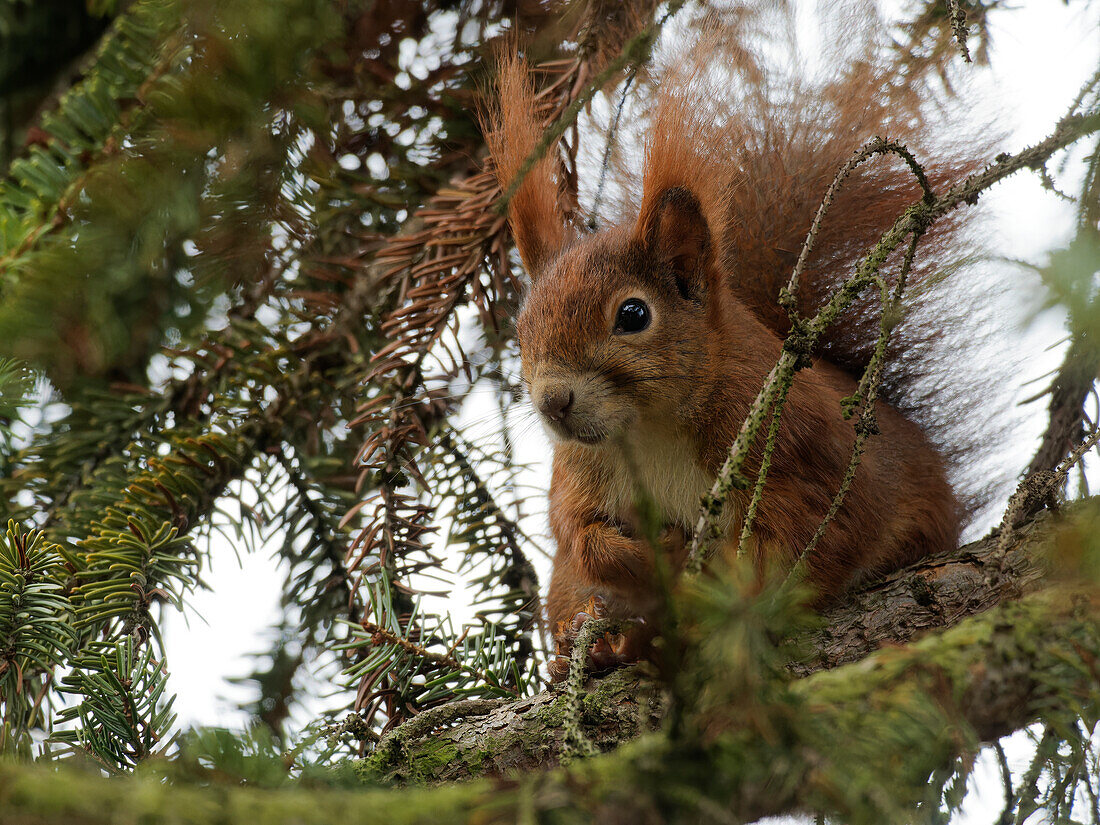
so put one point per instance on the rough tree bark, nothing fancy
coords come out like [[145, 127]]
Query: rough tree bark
[[935, 699], [500, 738]]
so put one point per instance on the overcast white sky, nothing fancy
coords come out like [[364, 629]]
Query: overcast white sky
[[1042, 53]]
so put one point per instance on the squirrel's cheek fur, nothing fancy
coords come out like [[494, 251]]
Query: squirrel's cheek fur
[[591, 380]]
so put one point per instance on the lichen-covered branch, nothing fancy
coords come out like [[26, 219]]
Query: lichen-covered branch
[[938, 699], [934, 593]]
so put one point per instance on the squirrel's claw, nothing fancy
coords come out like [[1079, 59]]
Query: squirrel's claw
[[609, 651], [579, 621]]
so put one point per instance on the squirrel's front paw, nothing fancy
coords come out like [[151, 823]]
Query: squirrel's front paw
[[609, 651]]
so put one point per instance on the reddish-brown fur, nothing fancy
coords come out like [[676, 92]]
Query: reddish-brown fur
[[724, 208]]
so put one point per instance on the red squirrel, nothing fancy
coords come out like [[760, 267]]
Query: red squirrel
[[644, 344]]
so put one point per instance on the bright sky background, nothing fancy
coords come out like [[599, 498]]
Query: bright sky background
[[1042, 53]]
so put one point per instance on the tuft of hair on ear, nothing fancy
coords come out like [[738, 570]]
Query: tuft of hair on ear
[[684, 184], [512, 127]]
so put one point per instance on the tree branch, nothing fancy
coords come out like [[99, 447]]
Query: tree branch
[[935, 593], [839, 733]]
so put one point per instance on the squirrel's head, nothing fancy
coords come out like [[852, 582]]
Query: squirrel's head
[[614, 326]]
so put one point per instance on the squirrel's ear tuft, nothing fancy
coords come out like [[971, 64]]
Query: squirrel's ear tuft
[[513, 129], [675, 232]]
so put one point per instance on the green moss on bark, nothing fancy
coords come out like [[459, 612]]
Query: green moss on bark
[[859, 742]]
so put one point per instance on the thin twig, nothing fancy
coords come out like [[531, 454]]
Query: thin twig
[[762, 475], [1023, 801], [1088, 86], [875, 146], [796, 350], [959, 27], [380, 635], [1006, 782], [1038, 487], [867, 392], [612, 131], [576, 743], [1051, 186]]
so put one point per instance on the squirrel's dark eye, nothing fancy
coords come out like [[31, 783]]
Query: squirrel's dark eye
[[633, 316]]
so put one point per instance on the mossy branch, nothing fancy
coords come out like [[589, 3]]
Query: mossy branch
[[937, 592], [938, 699]]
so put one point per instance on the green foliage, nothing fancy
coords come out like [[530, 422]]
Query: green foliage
[[200, 165], [16, 383], [216, 756], [477, 520], [423, 657], [249, 757], [866, 743], [1070, 275], [121, 714], [187, 192], [15, 386], [123, 561], [438, 664], [85, 118], [41, 41], [36, 630]]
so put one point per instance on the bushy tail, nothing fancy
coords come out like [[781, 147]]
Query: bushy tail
[[761, 145]]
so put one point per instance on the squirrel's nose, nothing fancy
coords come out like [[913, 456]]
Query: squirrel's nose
[[555, 403]]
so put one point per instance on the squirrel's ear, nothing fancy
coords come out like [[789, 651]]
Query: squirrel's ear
[[675, 232], [512, 130]]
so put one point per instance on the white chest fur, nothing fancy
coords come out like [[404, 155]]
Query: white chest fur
[[661, 464]]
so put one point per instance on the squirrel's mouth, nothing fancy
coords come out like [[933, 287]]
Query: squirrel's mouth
[[568, 431], [590, 438], [579, 410]]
